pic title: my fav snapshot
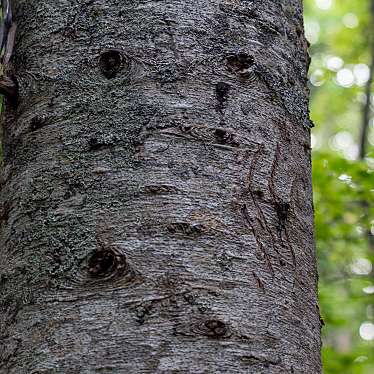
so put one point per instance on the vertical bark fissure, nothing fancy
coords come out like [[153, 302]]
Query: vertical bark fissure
[[155, 177]]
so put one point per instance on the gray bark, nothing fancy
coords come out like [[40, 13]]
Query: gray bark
[[156, 203]]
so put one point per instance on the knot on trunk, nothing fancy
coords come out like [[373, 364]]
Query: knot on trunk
[[240, 64], [111, 62], [109, 264]]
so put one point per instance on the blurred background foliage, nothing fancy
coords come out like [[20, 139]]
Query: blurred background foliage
[[341, 36]]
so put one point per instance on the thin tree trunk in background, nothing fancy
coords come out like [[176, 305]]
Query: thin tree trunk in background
[[366, 118], [366, 112], [156, 195]]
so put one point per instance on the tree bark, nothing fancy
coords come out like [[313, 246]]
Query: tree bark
[[156, 202]]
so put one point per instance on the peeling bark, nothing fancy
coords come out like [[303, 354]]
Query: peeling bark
[[156, 206]]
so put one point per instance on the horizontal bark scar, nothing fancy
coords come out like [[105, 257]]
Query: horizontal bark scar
[[160, 189], [186, 228], [255, 360], [37, 123], [212, 328], [220, 137]]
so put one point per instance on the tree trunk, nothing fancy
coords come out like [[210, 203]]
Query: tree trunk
[[156, 203]]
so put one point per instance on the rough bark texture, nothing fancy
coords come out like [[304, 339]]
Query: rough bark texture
[[156, 203]]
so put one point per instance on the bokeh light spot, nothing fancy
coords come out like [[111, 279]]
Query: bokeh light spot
[[361, 73], [345, 78], [367, 331], [324, 4], [334, 63], [350, 20], [317, 78], [362, 266]]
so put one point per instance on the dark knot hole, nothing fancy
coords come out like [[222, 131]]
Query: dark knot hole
[[110, 63], [102, 263]]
